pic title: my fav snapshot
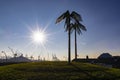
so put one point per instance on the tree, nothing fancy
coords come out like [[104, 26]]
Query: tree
[[77, 27], [5, 55], [66, 16], [68, 19]]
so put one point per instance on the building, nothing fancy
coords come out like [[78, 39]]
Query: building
[[105, 56]]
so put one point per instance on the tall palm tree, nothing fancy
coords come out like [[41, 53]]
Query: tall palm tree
[[77, 27], [66, 16], [68, 19]]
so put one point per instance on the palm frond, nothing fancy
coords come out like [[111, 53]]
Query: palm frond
[[67, 22], [60, 18], [76, 16], [81, 26], [78, 30], [71, 27], [78, 27], [63, 16]]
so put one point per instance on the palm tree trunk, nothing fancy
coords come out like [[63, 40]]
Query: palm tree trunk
[[75, 45], [69, 47]]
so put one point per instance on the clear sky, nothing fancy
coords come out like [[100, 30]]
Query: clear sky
[[19, 17]]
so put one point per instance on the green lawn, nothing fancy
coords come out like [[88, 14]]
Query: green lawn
[[57, 71]]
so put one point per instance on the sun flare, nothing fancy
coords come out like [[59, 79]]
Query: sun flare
[[38, 37]]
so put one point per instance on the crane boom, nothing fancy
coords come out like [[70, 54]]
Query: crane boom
[[14, 54], [11, 50]]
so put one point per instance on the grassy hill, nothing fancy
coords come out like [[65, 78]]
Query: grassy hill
[[57, 71]]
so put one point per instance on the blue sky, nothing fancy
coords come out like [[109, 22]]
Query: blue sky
[[19, 17]]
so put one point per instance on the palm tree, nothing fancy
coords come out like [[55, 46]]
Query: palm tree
[[68, 19], [66, 16], [77, 27]]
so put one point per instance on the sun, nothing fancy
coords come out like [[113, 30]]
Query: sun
[[38, 36]]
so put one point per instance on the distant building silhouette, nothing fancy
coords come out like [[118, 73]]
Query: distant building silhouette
[[105, 59], [104, 56]]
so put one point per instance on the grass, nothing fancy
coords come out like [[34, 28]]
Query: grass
[[57, 71]]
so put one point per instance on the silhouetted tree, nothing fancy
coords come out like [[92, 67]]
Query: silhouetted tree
[[68, 19], [5, 55], [77, 27]]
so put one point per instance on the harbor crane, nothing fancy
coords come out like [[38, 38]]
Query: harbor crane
[[14, 54]]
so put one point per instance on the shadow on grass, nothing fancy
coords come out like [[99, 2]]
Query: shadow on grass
[[90, 73]]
